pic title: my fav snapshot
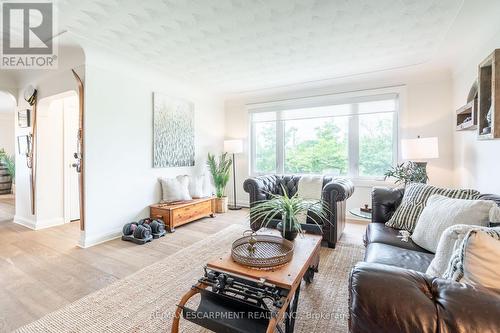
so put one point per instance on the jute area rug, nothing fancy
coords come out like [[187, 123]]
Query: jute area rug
[[146, 300]]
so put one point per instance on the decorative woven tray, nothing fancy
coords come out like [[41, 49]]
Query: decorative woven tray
[[270, 251]]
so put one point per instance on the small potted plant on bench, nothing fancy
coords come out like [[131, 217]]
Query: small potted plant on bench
[[220, 174]]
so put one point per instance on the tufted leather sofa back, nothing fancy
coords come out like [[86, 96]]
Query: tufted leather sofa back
[[291, 183]]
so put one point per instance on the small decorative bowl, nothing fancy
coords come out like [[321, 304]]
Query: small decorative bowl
[[267, 251]]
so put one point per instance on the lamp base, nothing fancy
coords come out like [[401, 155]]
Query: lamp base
[[234, 208], [423, 167]]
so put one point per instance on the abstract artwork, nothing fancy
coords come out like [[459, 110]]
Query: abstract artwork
[[173, 132]]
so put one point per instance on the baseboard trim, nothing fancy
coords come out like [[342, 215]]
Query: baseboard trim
[[30, 224], [43, 224], [244, 204], [88, 241], [38, 225]]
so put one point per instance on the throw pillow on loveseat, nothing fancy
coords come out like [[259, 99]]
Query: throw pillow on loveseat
[[414, 200], [442, 212]]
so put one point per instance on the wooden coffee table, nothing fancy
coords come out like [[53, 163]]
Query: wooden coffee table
[[225, 280]]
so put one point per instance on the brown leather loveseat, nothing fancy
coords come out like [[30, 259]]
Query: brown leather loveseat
[[390, 292]]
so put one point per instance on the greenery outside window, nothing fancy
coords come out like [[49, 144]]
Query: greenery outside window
[[354, 137]]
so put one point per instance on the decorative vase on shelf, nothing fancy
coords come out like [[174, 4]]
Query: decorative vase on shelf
[[487, 129]]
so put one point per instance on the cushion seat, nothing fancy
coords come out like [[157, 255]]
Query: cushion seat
[[380, 233], [396, 256]]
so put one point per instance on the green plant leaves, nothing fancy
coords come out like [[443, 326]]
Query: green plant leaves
[[9, 162], [219, 169], [289, 208]]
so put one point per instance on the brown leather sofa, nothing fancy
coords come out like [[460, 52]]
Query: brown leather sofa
[[390, 292], [335, 192]]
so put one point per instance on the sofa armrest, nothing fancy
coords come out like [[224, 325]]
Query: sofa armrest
[[260, 187], [385, 298], [335, 193], [384, 203], [338, 189]]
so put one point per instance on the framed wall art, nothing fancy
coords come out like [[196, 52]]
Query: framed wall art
[[173, 132], [24, 118], [23, 144]]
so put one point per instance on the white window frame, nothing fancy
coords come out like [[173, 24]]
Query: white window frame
[[352, 98]]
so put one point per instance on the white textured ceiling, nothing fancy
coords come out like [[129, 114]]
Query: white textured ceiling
[[238, 45]]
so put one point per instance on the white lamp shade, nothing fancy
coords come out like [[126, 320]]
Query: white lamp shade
[[233, 146], [420, 148]]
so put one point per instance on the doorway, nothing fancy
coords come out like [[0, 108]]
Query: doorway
[[58, 191]]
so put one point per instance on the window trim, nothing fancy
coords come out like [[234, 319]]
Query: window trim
[[353, 98]]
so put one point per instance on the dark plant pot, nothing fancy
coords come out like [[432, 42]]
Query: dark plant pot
[[289, 234]]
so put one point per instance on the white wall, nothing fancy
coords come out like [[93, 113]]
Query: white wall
[[7, 113], [426, 111], [48, 84], [120, 180], [476, 161], [8, 83], [7, 134]]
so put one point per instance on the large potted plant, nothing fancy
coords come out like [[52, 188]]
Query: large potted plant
[[220, 174], [7, 172], [291, 210]]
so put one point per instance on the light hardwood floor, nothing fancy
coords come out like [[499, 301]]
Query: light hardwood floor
[[41, 271]]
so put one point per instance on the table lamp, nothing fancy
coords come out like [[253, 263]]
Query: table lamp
[[233, 147], [419, 150]]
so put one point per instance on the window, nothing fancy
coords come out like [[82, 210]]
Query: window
[[355, 138]]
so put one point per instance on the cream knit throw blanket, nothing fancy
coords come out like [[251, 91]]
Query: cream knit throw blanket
[[309, 188]]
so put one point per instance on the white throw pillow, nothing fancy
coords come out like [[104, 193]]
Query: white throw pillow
[[196, 186], [450, 240], [476, 260], [175, 189], [442, 212]]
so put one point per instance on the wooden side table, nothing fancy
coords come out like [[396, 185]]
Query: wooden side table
[[179, 213]]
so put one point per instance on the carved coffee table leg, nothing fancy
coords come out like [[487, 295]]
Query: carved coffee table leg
[[193, 291], [313, 268]]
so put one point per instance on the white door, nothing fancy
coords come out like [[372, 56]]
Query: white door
[[72, 189]]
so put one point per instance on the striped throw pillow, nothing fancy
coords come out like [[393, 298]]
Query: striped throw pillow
[[457, 269], [414, 200]]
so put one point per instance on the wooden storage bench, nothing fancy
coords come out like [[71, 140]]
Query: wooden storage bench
[[179, 213]]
